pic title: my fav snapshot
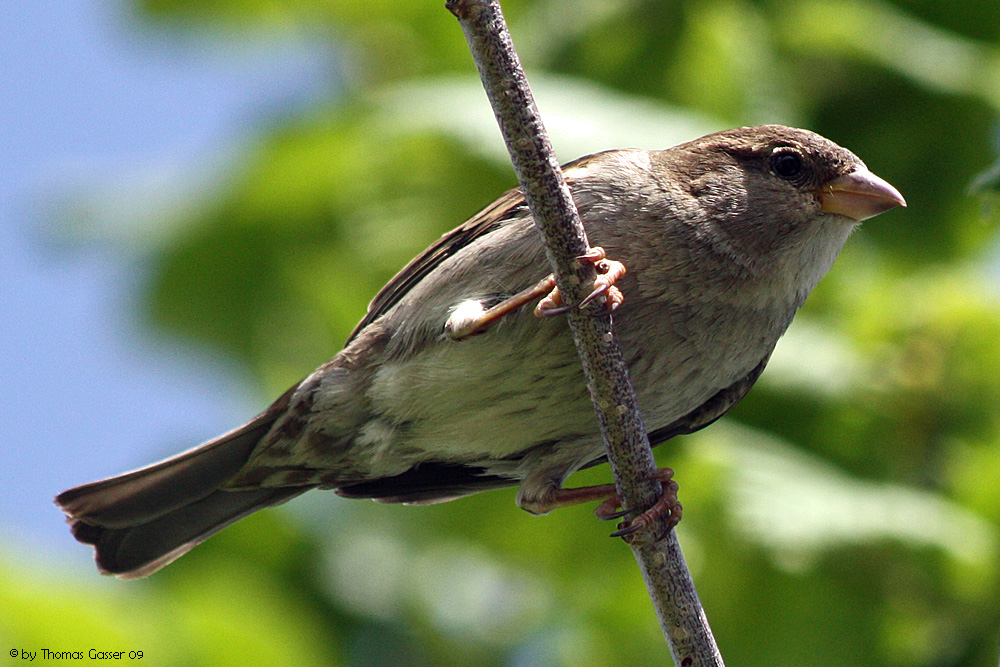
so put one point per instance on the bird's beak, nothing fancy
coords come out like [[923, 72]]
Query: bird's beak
[[859, 195]]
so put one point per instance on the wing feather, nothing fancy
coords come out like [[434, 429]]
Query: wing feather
[[508, 206]]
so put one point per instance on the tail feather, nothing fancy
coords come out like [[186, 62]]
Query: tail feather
[[140, 550], [142, 520], [150, 492]]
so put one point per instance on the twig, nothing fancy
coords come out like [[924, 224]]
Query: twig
[[662, 563]]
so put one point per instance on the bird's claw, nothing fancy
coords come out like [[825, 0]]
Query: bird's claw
[[666, 506], [608, 273]]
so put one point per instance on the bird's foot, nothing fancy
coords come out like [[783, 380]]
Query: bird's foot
[[470, 318], [608, 273], [666, 505]]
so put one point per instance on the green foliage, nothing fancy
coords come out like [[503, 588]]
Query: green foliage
[[845, 514]]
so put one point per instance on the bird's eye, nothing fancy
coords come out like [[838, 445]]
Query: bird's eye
[[786, 164]]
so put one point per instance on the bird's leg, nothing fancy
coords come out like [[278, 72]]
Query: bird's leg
[[470, 318], [608, 273], [666, 505]]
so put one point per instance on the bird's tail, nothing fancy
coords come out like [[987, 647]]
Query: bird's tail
[[141, 521]]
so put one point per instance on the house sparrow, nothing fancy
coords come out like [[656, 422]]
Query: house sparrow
[[723, 238]]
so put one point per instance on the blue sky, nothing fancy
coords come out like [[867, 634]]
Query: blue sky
[[97, 107]]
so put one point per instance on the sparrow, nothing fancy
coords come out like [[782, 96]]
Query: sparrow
[[448, 386]]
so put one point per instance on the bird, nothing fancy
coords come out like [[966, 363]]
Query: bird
[[448, 386]]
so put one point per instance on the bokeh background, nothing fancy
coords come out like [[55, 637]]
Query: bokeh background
[[198, 199]]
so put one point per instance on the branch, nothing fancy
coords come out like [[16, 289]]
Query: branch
[[661, 562]]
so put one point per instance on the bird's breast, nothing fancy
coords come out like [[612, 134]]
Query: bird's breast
[[700, 348]]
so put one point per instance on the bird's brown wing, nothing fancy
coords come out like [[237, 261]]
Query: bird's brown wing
[[508, 206]]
